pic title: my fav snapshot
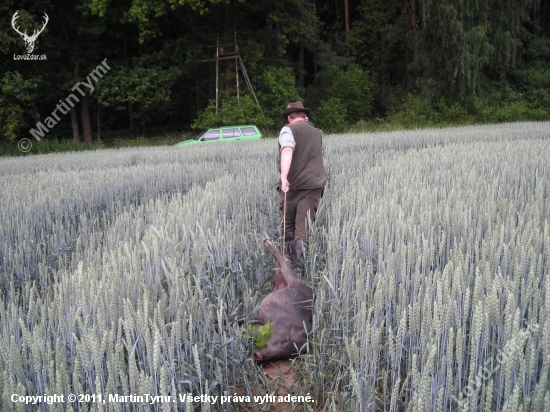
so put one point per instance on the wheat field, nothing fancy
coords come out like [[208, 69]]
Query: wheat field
[[429, 264]]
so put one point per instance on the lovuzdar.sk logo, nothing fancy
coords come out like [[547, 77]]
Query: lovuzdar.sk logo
[[29, 40]]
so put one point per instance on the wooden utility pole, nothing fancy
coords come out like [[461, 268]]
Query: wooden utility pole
[[217, 70], [247, 80], [231, 51]]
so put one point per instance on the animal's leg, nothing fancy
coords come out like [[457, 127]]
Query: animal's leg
[[285, 275]]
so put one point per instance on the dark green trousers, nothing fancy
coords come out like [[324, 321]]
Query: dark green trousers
[[298, 204]]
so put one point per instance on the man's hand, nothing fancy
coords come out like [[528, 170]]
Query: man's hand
[[285, 185]]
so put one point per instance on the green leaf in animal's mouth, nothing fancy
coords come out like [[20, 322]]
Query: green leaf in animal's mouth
[[260, 335]]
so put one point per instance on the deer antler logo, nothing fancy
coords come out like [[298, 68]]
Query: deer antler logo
[[29, 40]]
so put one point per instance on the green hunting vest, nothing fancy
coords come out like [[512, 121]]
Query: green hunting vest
[[306, 170]]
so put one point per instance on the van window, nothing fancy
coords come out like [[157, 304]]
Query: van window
[[230, 133], [248, 131], [211, 135]]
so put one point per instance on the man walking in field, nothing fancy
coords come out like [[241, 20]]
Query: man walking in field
[[302, 176]]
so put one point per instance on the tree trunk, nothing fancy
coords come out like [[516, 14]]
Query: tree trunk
[[315, 62], [36, 113], [315, 46], [346, 19], [377, 63], [227, 39], [301, 65], [143, 116], [98, 121], [413, 26], [544, 17], [412, 15], [453, 82], [74, 116], [197, 101], [131, 118], [74, 124], [85, 115], [535, 21]]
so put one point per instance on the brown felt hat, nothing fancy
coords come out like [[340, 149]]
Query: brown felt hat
[[295, 107]]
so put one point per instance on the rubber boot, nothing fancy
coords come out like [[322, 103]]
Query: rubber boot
[[297, 252]]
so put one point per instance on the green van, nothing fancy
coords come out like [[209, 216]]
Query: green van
[[226, 134]]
